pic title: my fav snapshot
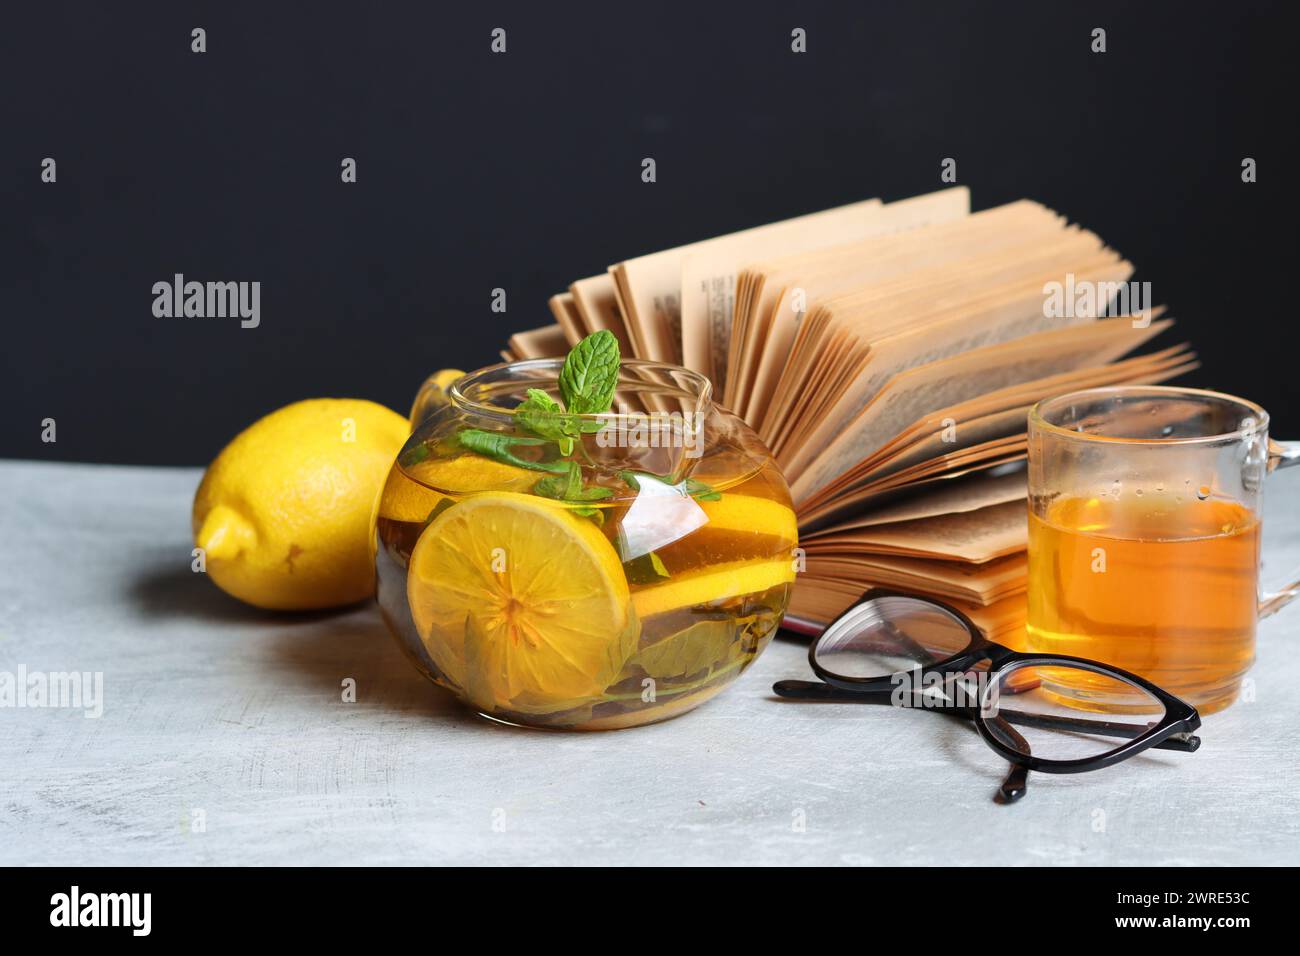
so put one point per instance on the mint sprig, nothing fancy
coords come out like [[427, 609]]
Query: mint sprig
[[544, 416], [587, 382], [590, 374]]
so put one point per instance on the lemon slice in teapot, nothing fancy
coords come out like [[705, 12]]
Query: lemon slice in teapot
[[521, 603]]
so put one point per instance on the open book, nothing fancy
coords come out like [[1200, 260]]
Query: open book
[[888, 355]]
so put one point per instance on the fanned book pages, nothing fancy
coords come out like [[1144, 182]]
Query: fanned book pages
[[888, 354]]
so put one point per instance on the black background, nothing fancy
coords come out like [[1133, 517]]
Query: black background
[[523, 171]]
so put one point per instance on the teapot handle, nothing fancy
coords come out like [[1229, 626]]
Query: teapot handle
[[433, 395]]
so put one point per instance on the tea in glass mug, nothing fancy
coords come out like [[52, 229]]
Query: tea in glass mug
[[1144, 538]]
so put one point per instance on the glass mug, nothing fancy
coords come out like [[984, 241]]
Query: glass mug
[[1144, 538]]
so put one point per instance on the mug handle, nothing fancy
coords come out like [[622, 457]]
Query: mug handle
[[1281, 454]]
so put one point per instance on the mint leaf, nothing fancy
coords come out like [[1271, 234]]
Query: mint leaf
[[700, 491], [543, 415], [438, 509], [594, 513], [538, 408], [590, 374], [700, 648], [569, 487], [561, 487], [417, 454], [500, 445], [648, 568], [593, 493]]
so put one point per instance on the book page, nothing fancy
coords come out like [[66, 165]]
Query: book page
[[818, 600], [767, 326], [924, 316], [596, 300], [932, 438], [566, 314], [974, 536], [708, 272], [979, 302], [967, 495], [987, 419], [650, 286], [953, 580], [912, 394], [546, 342]]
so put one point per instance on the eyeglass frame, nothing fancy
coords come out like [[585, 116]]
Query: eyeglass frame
[[1180, 721]]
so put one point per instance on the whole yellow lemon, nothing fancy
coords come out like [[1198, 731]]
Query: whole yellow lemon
[[283, 513]]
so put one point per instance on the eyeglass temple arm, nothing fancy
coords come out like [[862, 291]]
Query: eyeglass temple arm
[[1016, 784], [1186, 743], [816, 690]]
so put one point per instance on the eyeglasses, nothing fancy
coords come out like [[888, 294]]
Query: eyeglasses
[[892, 648]]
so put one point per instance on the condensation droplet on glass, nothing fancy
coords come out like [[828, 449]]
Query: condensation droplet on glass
[[1138, 492], [1115, 488], [1203, 492]]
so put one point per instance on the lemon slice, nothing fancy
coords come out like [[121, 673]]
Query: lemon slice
[[468, 473], [520, 603], [753, 514], [405, 500], [717, 583]]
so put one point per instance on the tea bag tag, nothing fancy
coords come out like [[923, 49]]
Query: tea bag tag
[[661, 514]]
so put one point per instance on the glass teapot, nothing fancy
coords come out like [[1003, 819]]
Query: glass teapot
[[618, 576]]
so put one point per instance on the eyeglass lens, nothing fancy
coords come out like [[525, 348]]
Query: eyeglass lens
[[1058, 712], [890, 634]]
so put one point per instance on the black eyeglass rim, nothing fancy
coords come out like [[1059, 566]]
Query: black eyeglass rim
[[1180, 717]]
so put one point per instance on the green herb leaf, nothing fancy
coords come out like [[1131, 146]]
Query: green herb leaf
[[649, 568], [542, 415], [500, 445], [594, 513], [692, 650], [438, 509], [569, 487], [416, 455], [700, 491], [561, 486], [590, 374]]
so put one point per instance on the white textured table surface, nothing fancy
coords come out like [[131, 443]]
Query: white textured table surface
[[220, 713]]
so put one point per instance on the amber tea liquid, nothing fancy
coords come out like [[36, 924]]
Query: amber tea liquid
[[1156, 583]]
